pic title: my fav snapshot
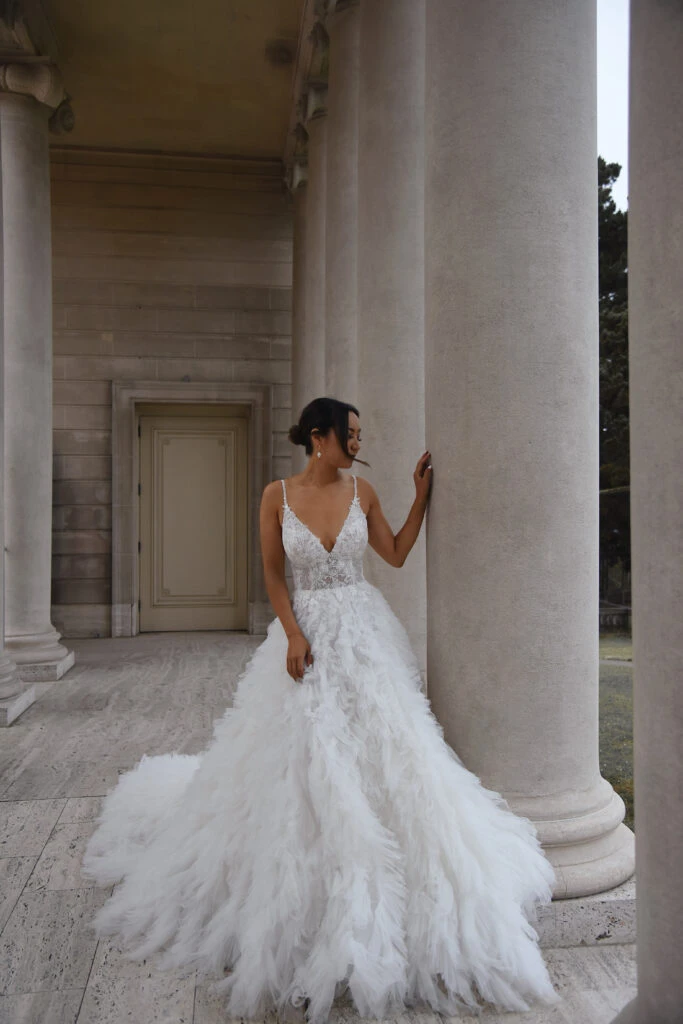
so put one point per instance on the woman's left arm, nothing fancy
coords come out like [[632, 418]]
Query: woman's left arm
[[395, 548]]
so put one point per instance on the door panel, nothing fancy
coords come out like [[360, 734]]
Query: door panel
[[193, 522]]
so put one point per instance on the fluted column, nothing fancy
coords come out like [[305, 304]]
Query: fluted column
[[30, 637], [391, 281], [341, 355], [655, 275], [512, 417]]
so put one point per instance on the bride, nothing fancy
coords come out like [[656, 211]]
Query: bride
[[328, 841]]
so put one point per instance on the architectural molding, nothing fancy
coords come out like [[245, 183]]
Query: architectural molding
[[28, 60], [299, 176], [259, 174], [310, 68], [316, 99], [26, 30], [126, 396], [39, 79]]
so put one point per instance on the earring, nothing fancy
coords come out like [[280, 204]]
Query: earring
[[319, 453]]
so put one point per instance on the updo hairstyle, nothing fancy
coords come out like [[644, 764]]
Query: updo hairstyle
[[320, 416]]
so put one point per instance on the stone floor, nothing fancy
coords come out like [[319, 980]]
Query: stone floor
[[125, 697]]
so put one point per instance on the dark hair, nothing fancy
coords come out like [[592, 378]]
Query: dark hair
[[320, 416]]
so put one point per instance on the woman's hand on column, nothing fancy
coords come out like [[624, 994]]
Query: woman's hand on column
[[423, 476]]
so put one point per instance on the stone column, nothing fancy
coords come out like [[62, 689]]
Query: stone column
[[29, 635], [15, 695], [301, 340], [341, 357], [391, 282], [511, 340], [655, 274], [313, 367]]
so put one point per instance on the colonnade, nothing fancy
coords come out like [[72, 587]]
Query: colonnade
[[457, 265], [476, 306]]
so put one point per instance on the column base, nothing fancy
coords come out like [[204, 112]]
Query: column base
[[12, 707], [584, 838], [39, 657]]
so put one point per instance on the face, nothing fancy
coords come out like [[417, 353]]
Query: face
[[332, 450], [354, 440]]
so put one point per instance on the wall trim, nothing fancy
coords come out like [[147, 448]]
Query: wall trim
[[256, 172], [126, 395]]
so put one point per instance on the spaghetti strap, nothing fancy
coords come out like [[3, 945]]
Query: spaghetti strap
[[355, 488], [284, 493]]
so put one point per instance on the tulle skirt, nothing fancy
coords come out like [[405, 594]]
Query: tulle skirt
[[327, 841]]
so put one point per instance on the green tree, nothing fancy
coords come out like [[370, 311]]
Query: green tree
[[615, 541]]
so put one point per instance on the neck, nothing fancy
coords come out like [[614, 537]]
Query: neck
[[319, 473]]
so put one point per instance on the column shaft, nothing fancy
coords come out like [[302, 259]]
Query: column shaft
[[512, 417], [15, 695], [309, 371], [391, 282], [341, 357], [30, 636], [655, 274], [301, 340]]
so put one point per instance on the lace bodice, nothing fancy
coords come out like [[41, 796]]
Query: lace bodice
[[315, 568]]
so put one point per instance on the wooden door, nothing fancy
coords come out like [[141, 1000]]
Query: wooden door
[[193, 522]]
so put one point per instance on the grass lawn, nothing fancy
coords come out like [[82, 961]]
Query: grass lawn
[[616, 718]]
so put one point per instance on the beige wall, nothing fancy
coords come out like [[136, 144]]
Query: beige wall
[[163, 269]]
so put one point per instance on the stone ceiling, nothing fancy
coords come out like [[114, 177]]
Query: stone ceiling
[[178, 76]]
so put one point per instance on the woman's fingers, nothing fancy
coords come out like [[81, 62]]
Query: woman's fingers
[[296, 666]]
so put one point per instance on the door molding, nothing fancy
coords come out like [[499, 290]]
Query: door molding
[[126, 396]]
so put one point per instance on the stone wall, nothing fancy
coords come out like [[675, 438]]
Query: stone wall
[[163, 270]]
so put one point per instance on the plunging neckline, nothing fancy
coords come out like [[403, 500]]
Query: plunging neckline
[[289, 508]]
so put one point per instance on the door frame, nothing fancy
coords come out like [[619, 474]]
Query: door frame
[[126, 396]]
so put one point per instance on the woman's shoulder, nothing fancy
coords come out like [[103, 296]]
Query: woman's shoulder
[[272, 493], [364, 486]]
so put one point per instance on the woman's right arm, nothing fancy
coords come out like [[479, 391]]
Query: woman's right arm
[[273, 556]]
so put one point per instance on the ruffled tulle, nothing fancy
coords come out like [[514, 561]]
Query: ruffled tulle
[[327, 839]]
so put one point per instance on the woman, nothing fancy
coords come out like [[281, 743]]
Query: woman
[[328, 839]]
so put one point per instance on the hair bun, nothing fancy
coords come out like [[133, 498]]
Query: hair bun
[[296, 434]]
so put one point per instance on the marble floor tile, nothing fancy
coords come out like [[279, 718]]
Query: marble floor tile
[[80, 808], [41, 1007], [121, 990], [26, 824], [14, 874], [210, 1008], [54, 779], [47, 944], [59, 865], [591, 967]]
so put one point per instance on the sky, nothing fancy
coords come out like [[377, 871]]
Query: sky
[[613, 90]]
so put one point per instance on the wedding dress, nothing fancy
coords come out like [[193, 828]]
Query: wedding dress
[[327, 841]]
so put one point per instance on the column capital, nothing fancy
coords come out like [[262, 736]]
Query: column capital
[[37, 78], [297, 176], [310, 76], [28, 60], [335, 8], [315, 102]]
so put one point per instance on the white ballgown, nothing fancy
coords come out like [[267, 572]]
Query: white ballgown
[[327, 841]]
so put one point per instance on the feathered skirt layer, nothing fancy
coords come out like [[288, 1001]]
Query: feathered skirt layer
[[327, 840]]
